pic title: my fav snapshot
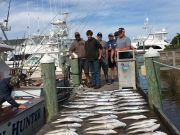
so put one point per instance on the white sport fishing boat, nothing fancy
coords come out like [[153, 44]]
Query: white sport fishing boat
[[157, 40], [30, 52]]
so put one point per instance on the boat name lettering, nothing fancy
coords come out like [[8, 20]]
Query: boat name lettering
[[20, 125]]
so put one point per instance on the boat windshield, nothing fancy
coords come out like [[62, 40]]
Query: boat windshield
[[146, 47]]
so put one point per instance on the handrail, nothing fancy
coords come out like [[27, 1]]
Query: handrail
[[173, 67]]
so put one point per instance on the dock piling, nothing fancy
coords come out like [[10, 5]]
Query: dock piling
[[75, 72], [153, 78], [50, 94]]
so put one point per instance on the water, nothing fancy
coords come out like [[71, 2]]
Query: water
[[170, 94]]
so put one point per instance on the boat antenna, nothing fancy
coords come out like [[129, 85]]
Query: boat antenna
[[7, 19], [146, 24]]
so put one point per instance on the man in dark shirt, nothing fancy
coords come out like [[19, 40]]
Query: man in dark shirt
[[94, 53], [6, 87]]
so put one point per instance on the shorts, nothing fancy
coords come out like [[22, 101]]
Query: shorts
[[110, 63]]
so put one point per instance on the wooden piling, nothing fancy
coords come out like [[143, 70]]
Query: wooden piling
[[75, 72], [153, 78], [50, 94]]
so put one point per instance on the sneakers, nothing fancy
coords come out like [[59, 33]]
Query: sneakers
[[107, 82]]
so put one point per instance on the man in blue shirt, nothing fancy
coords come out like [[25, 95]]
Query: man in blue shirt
[[110, 46], [6, 87]]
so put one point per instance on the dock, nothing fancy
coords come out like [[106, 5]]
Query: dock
[[111, 92]]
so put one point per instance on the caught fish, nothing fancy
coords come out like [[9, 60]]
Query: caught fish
[[68, 119], [153, 133], [133, 100], [133, 111], [143, 122], [69, 125], [102, 132], [81, 115], [149, 129], [63, 133], [131, 97], [129, 108], [62, 130], [106, 100], [106, 112], [71, 112], [123, 92], [78, 106], [81, 103], [132, 104], [105, 103], [107, 121], [146, 125], [130, 94], [111, 116], [135, 117], [107, 126]]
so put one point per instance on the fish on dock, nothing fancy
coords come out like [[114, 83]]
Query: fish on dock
[[68, 119], [69, 125], [143, 122], [133, 111], [107, 126], [64, 131], [78, 106], [145, 125], [102, 132], [135, 117], [149, 129], [129, 108], [111, 116]]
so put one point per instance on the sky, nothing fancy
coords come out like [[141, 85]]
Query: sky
[[106, 16]]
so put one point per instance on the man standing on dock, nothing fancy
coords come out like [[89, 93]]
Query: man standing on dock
[[122, 43], [78, 47], [110, 46], [94, 54], [6, 87], [102, 61]]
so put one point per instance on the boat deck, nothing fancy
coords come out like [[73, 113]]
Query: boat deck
[[71, 109]]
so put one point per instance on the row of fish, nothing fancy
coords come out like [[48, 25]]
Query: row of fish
[[94, 112]]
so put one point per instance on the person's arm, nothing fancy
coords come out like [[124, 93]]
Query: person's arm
[[112, 54], [100, 49], [11, 101], [71, 49]]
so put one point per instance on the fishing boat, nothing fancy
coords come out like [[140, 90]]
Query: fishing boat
[[157, 40]]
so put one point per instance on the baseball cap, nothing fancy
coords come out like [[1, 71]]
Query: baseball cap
[[99, 34], [77, 34], [116, 34], [121, 30], [110, 35]]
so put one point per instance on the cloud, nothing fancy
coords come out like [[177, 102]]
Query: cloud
[[105, 16]]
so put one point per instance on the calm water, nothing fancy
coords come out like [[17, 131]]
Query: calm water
[[170, 94]]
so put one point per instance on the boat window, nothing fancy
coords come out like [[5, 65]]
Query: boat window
[[156, 47]]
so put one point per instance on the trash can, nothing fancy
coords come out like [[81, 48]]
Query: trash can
[[126, 69]]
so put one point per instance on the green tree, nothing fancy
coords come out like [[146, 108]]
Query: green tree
[[175, 43]]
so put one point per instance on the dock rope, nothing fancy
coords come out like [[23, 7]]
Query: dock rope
[[173, 67]]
